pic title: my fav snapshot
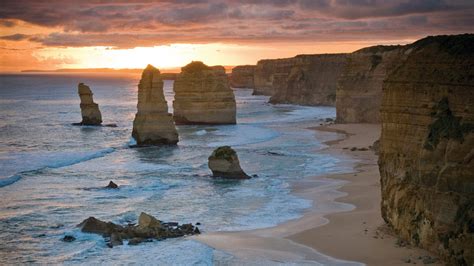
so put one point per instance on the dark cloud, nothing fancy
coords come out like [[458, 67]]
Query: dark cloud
[[15, 37], [132, 23]]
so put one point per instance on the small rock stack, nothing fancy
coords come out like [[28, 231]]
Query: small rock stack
[[153, 125], [224, 163], [203, 96], [90, 112]]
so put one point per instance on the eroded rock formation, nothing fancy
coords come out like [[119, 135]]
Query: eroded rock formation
[[224, 163], [359, 90], [153, 125], [90, 112], [311, 80], [427, 147], [266, 70], [149, 228], [242, 77], [203, 96]]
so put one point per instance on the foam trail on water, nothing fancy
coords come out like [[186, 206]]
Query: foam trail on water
[[42, 161]]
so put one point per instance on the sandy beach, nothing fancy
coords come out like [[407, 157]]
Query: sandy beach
[[345, 224]]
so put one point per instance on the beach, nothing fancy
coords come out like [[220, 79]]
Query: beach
[[344, 226]]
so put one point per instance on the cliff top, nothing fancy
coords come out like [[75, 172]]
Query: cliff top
[[195, 66], [378, 49], [462, 44]]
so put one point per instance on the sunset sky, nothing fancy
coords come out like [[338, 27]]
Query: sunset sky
[[53, 34]]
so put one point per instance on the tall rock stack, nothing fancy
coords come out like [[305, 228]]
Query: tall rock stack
[[311, 80], [153, 125], [427, 147], [359, 90], [242, 77], [203, 96], [90, 112]]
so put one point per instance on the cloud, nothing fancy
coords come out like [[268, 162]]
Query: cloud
[[121, 24]]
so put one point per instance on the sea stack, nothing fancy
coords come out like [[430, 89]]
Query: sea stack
[[224, 163], [153, 125], [426, 156], [242, 76], [90, 112], [203, 96]]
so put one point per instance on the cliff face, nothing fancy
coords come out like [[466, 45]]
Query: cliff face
[[427, 147], [90, 112], [359, 90], [203, 96], [242, 77], [311, 80], [153, 125], [265, 72]]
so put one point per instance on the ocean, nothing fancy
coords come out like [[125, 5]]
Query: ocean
[[52, 174]]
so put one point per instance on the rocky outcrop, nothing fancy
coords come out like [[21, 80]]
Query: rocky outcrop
[[266, 70], [427, 147], [90, 112], [148, 228], [203, 96], [224, 163], [311, 80], [242, 77], [153, 125], [359, 90]]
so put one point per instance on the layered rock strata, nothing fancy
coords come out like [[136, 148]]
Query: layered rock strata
[[427, 147], [90, 112], [153, 125], [311, 80], [203, 96], [242, 77], [266, 70], [359, 90], [224, 163]]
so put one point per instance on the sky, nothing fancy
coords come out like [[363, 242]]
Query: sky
[[36, 34]]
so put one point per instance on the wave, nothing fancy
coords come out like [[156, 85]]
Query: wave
[[38, 161]]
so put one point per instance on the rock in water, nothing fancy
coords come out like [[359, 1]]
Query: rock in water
[[90, 112], [153, 125], [112, 185], [148, 221], [426, 156], [203, 96], [224, 163]]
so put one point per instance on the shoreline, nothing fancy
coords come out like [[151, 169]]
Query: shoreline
[[344, 226]]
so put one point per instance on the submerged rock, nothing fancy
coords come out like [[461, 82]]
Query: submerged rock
[[90, 112], [224, 163], [148, 228], [203, 96], [153, 125], [68, 238]]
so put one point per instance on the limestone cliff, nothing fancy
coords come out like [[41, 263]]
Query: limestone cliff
[[311, 80], [427, 147], [242, 77], [90, 112], [359, 90], [266, 70], [203, 96], [153, 125]]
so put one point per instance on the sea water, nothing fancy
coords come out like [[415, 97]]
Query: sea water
[[52, 174]]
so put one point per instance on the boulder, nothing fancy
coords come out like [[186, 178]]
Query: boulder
[[148, 221], [93, 225], [203, 96], [224, 163], [153, 125], [90, 112]]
